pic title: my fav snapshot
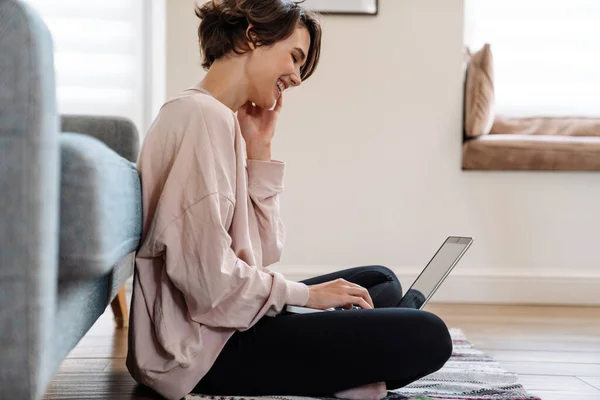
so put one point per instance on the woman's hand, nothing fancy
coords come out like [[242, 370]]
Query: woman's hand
[[338, 293], [258, 127]]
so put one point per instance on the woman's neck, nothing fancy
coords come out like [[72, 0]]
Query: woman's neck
[[226, 82]]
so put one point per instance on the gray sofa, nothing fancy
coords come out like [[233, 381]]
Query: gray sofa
[[70, 211]]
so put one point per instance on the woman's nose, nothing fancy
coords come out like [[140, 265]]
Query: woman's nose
[[295, 80]]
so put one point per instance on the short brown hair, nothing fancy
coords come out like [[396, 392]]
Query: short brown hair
[[224, 24]]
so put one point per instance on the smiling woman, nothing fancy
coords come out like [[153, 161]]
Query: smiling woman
[[206, 313]]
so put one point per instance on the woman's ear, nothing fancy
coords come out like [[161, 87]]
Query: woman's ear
[[251, 37]]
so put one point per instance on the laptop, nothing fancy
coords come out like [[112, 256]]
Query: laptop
[[430, 279], [436, 271]]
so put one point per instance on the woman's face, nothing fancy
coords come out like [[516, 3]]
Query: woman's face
[[272, 69]]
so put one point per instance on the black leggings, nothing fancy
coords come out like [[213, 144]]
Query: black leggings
[[319, 354]]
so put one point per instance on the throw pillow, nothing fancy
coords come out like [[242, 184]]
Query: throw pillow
[[479, 93]]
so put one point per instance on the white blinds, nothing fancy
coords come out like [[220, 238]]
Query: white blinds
[[546, 54], [98, 55]]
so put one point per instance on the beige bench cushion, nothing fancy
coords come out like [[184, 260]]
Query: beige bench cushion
[[547, 126], [532, 152]]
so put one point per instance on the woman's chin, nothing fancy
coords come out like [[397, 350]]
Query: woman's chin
[[266, 100], [267, 103]]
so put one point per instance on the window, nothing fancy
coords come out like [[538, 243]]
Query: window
[[99, 54], [546, 58]]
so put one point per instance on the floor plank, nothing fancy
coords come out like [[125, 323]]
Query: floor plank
[[591, 380], [487, 343], [546, 356], [84, 364], [565, 395], [556, 383], [102, 346], [550, 368], [116, 365], [113, 386]]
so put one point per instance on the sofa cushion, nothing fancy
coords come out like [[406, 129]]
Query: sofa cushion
[[100, 207], [479, 92], [562, 126], [532, 152]]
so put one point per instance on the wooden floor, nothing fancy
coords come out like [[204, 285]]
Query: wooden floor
[[555, 351]]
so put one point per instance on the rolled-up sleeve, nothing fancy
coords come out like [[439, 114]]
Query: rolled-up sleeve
[[265, 183]]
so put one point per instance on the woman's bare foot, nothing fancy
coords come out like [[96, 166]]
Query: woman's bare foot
[[372, 391]]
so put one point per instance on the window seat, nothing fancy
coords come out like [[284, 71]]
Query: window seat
[[532, 152]]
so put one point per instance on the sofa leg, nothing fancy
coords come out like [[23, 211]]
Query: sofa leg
[[119, 307]]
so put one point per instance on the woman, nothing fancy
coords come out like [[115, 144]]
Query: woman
[[206, 310]]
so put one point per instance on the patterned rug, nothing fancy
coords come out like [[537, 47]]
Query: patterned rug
[[468, 375]]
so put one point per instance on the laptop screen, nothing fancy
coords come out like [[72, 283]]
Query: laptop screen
[[434, 273]]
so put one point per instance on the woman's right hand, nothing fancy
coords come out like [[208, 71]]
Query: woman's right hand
[[338, 293]]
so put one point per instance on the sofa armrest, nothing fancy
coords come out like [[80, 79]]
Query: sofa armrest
[[100, 208], [120, 134]]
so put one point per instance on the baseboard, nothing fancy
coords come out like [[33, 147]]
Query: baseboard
[[491, 286], [488, 286]]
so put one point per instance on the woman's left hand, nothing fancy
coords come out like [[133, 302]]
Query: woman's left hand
[[258, 127]]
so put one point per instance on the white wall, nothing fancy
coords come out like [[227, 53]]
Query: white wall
[[373, 146]]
